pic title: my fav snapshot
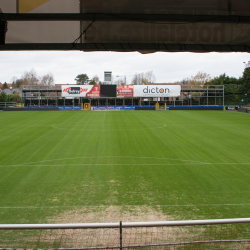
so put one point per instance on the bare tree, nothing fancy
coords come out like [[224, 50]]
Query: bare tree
[[143, 78], [47, 79], [200, 79], [31, 78], [120, 82], [136, 79], [19, 83], [14, 80], [96, 79], [184, 81], [150, 77]]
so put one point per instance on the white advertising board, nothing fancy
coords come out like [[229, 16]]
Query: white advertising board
[[80, 91], [157, 90]]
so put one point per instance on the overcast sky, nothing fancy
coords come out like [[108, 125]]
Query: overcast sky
[[167, 67]]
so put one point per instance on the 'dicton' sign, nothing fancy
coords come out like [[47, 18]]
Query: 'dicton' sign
[[157, 90]]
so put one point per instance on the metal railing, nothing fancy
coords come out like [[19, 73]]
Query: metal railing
[[41, 87], [208, 234], [8, 104], [202, 87]]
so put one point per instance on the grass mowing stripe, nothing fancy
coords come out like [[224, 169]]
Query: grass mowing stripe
[[120, 158]]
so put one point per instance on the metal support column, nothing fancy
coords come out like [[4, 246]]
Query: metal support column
[[191, 97], [215, 95], [120, 235], [223, 96], [207, 96], [39, 97]]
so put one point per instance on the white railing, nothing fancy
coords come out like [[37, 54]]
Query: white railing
[[211, 234]]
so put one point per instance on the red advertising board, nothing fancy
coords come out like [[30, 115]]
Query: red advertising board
[[125, 90], [80, 91], [94, 92]]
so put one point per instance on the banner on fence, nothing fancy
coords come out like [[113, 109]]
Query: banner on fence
[[121, 91], [80, 91], [107, 108], [125, 90], [157, 90], [70, 108]]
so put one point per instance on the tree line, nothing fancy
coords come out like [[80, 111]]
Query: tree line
[[235, 89], [28, 78], [15, 97], [32, 78]]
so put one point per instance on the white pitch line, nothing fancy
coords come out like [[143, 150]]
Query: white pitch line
[[121, 164], [133, 157], [53, 126], [82, 206], [88, 157], [100, 164]]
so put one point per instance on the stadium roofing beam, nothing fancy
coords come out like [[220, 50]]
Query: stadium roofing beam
[[123, 17], [126, 47]]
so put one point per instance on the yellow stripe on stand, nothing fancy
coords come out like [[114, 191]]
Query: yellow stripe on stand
[[26, 6]]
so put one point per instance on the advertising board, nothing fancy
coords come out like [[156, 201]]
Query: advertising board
[[125, 90], [110, 108], [71, 108], [121, 91], [80, 90], [157, 90]]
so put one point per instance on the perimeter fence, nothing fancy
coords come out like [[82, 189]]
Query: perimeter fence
[[8, 104], [198, 234]]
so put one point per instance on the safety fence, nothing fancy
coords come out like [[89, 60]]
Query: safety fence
[[197, 234], [8, 104]]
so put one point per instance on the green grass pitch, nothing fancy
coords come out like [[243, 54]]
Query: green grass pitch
[[185, 164]]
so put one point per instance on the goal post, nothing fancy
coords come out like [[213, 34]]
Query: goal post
[[197, 234]]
